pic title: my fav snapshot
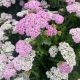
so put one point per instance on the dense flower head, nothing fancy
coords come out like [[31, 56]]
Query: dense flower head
[[8, 47], [33, 32], [45, 15], [24, 63], [75, 32], [21, 26], [32, 24], [9, 66], [64, 68], [53, 50], [58, 18], [67, 53], [51, 31], [55, 74], [23, 48], [2, 67], [6, 16], [8, 73], [34, 5], [6, 69], [71, 8]]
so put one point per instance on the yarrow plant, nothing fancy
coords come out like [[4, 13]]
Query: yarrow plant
[[39, 40], [63, 68]]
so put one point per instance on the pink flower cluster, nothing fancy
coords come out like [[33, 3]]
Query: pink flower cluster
[[23, 48], [58, 18], [8, 70], [51, 31], [65, 68], [70, 1], [73, 6], [34, 5], [9, 65], [75, 32], [33, 22]]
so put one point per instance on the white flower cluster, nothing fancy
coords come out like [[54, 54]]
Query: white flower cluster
[[24, 63], [68, 53], [3, 60], [69, 56], [7, 3], [2, 67], [7, 23], [53, 51], [7, 48], [22, 13], [55, 74], [5, 16], [1, 34]]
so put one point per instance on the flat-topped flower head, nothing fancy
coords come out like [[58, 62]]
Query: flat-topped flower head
[[33, 32], [75, 32], [23, 48], [64, 68], [58, 18], [24, 62], [51, 31], [34, 5]]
